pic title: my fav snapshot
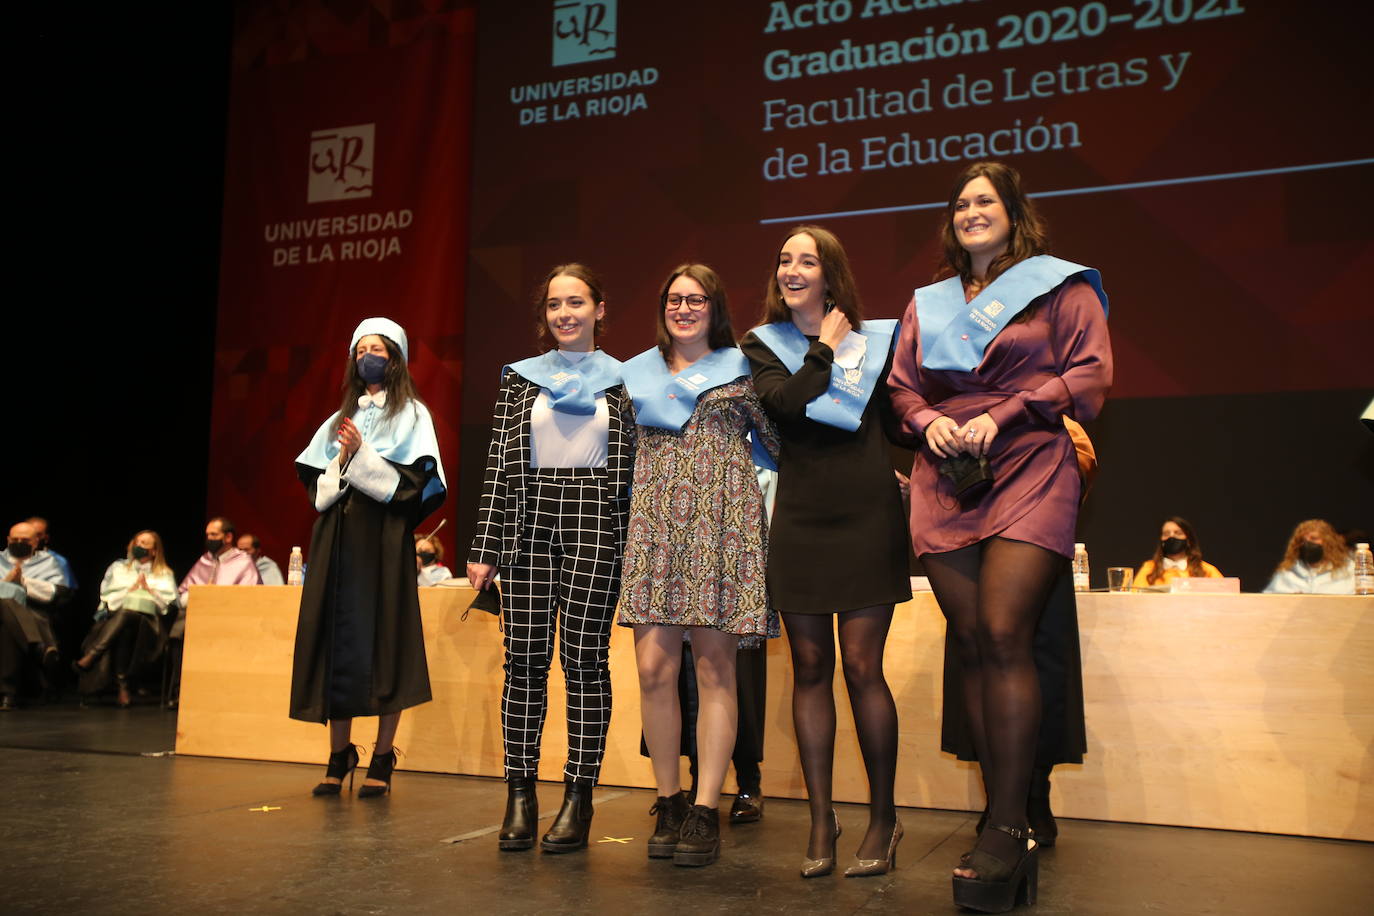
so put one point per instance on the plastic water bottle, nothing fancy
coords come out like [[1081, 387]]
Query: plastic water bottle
[[1364, 570], [1080, 568], [294, 575]]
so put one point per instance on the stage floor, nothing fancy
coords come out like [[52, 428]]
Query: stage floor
[[100, 818]]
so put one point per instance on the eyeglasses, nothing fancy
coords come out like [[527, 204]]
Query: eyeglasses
[[694, 302]]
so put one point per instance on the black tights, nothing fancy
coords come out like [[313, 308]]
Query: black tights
[[992, 594], [863, 634]]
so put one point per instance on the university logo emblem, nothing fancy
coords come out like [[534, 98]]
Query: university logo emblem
[[340, 164], [583, 30], [994, 308]]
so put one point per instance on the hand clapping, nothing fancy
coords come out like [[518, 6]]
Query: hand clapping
[[350, 440]]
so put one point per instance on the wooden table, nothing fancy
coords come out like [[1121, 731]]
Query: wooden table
[[1245, 712]]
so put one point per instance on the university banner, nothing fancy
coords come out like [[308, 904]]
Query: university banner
[[346, 196]]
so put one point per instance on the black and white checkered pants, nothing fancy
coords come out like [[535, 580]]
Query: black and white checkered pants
[[569, 571]]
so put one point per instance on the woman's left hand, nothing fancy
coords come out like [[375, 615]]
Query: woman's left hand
[[975, 436], [350, 440]]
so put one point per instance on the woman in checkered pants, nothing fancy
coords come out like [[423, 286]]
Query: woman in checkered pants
[[552, 520]]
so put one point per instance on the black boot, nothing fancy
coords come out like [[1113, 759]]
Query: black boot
[[573, 823], [671, 811], [522, 814], [1038, 812], [700, 843]]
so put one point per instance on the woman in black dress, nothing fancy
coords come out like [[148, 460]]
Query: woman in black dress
[[837, 552], [373, 473]]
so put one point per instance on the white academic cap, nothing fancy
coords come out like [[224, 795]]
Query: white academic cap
[[386, 328]]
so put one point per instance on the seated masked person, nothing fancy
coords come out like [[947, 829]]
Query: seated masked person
[[221, 564], [136, 592], [1317, 561], [37, 586], [268, 570], [1178, 555], [429, 561], [40, 530]]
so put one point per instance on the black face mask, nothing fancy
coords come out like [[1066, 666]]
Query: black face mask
[[1311, 553], [1173, 546], [213, 545], [372, 368], [426, 557], [20, 549], [140, 552]]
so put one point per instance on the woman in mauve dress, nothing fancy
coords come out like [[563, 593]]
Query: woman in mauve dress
[[988, 364]]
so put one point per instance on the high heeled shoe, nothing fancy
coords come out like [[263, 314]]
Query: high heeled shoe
[[341, 763], [819, 868], [867, 868], [380, 767], [1000, 885]]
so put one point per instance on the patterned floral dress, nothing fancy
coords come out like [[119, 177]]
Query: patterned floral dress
[[697, 548]]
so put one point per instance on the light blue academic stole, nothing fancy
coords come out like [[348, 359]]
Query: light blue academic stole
[[572, 387], [842, 404], [667, 401], [955, 333]]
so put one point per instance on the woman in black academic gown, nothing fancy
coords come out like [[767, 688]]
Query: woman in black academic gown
[[373, 472]]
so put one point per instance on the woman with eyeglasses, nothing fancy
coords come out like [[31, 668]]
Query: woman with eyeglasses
[[837, 557], [696, 552], [552, 521]]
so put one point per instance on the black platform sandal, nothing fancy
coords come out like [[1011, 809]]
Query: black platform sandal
[[1000, 885], [341, 763], [1038, 813], [380, 767]]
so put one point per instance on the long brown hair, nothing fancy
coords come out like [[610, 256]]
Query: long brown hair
[[1029, 233], [400, 387], [720, 332], [839, 279], [1193, 550], [1335, 551], [159, 557], [541, 297]]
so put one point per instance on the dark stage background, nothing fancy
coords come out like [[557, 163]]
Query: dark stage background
[[1240, 315], [1241, 312]]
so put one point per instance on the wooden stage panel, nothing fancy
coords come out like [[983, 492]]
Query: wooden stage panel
[[1245, 712]]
